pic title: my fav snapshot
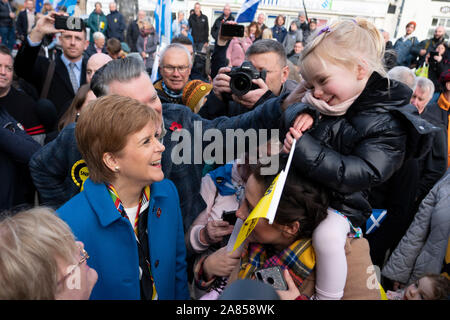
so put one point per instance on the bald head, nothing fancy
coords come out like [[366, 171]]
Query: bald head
[[95, 62], [439, 32]]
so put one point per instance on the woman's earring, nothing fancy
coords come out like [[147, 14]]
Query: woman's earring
[[116, 169]]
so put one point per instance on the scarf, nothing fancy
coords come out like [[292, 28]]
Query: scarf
[[170, 93], [299, 258], [147, 284], [323, 107]]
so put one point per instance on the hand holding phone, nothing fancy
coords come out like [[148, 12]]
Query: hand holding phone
[[230, 217], [68, 23], [272, 276]]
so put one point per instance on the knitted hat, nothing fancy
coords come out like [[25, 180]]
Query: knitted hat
[[412, 23], [194, 91]]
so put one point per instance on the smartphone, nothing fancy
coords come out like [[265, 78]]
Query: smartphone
[[272, 276], [433, 53], [232, 30], [230, 217], [68, 23]]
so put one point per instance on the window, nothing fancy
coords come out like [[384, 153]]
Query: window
[[438, 21]]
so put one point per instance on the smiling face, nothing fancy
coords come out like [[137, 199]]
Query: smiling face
[[140, 160], [175, 79], [333, 83]]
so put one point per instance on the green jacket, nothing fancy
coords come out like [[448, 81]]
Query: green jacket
[[97, 22]]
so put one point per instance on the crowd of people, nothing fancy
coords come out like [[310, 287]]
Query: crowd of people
[[97, 204]]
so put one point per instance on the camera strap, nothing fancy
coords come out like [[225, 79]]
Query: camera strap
[[48, 79]]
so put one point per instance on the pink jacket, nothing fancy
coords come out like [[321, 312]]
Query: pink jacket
[[215, 205], [236, 50]]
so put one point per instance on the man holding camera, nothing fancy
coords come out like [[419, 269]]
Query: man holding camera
[[69, 68], [268, 59]]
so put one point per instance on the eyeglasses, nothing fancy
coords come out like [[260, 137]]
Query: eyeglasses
[[171, 69], [84, 257]]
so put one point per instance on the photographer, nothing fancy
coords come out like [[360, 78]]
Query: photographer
[[69, 67], [267, 57]]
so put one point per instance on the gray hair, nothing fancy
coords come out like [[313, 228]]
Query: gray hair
[[425, 84], [176, 46], [121, 70], [98, 35], [266, 46], [404, 75]]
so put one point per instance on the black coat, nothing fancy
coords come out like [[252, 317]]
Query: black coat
[[33, 68], [116, 25], [132, 35], [362, 149], [22, 24], [91, 50], [199, 28]]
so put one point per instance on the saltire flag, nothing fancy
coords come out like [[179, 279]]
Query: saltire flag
[[248, 10], [375, 220], [163, 26], [268, 205], [69, 4]]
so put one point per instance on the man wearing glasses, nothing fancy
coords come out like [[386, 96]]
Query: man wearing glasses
[[175, 68]]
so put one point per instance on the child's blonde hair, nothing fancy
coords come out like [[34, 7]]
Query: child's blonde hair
[[347, 43]]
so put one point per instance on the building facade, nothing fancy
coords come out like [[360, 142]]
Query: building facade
[[390, 15]]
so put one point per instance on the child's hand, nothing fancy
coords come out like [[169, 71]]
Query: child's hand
[[303, 122], [292, 135], [221, 263], [292, 292]]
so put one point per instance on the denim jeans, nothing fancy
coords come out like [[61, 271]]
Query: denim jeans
[[8, 36]]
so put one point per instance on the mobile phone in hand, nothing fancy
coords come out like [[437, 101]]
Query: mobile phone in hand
[[68, 23], [232, 30], [230, 217]]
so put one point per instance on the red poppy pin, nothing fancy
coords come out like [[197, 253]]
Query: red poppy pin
[[158, 212], [175, 126]]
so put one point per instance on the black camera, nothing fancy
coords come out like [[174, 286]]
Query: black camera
[[241, 78]]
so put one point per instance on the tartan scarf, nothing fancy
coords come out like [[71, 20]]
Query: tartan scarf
[[147, 283], [299, 258]]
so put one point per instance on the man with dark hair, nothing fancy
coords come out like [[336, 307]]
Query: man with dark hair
[[17, 118], [116, 23], [69, 71], [113, 47], [264, 54], [198, 23], [15, 101]]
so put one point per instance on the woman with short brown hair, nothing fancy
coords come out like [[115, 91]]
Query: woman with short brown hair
[[128, 215]]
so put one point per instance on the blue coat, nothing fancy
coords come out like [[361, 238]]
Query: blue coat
[[110, 241]]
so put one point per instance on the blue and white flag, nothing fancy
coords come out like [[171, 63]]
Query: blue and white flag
[[375, 220], [248, 10], [163, 27]]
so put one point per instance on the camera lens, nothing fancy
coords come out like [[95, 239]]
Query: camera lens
[[240, 84]]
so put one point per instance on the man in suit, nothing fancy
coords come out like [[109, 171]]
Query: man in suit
[[70, 67], [26, 20], [98, 46]]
